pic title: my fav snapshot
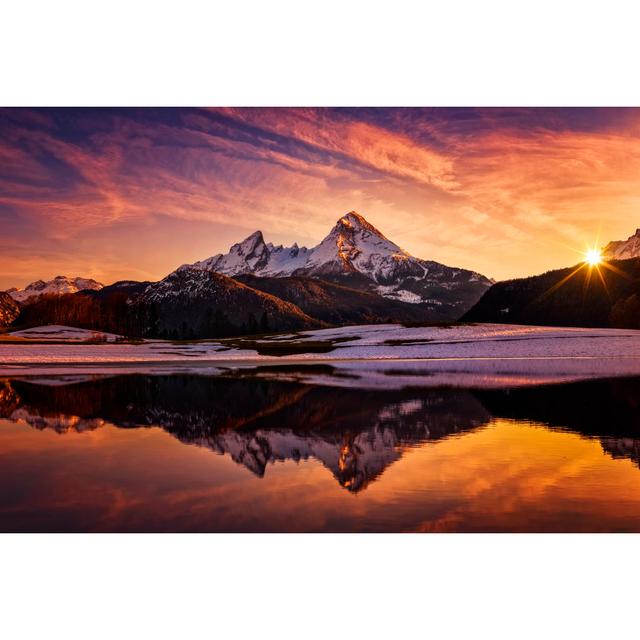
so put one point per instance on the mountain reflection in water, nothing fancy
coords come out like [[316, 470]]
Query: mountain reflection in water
[[356, 434]]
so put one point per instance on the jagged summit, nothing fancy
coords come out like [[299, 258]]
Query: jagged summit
[[250, 242], [351, 236], [623, 249], [253, 255], [356, 253]]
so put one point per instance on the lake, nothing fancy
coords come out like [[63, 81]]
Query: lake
[[258, 453]]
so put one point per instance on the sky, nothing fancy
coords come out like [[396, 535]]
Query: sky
[[133, 193]]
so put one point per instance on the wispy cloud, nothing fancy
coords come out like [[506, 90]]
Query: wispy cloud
[[503, 191]]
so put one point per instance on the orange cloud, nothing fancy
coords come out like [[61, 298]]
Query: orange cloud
[[504, 192]]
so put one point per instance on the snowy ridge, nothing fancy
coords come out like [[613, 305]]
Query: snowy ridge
[[252, 255], [623, 249], [57, 286]]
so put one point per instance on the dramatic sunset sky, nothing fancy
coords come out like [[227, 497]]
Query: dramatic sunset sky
[[133, 193]]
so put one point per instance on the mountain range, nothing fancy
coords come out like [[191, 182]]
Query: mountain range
[[356, 254], [57, 286], [354, 275]]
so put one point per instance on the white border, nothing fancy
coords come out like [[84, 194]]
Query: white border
[[318, 586], [330, 53], [284, 52]]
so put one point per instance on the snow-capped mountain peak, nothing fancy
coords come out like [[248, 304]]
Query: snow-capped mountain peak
[[623, 249], [249, 246], [252, 253], [57, 286], [356, 253], [352, 238], [353, 245], [354, 222]]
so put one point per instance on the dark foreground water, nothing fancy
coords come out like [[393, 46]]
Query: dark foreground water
[[195, 453]]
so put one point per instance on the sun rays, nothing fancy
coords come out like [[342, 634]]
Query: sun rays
[[594, 262]]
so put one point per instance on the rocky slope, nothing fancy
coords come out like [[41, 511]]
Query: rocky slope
[[623, 249], [192, 302], [253, 255], [339, 304]]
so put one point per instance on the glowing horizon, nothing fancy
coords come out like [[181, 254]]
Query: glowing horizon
[[117, 194]]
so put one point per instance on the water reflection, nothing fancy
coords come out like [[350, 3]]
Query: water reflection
[[354, 433], [500, 443]]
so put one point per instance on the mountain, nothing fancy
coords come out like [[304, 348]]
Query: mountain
[[188, 303], [356, 254], [355, 275], [58, 286], [338, 304], [9, 309], [576, 296], [191, 302], [623, 249]]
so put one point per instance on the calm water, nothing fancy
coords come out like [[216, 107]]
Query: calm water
[[195, 453]]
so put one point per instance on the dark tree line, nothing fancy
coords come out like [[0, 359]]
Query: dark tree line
[[608, 297], [114, 313], [625, 313], [111, 313], [214, 323]]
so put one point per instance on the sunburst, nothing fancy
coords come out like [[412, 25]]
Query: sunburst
[[593, 257]]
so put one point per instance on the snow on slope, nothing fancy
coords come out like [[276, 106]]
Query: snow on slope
[[58, 286], [623, 249], [252, 255], [372, 356], [354, 244]]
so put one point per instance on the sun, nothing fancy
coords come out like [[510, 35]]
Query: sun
[[593, 257]]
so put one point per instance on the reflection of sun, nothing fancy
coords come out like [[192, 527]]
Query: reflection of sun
[[593, 257]]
